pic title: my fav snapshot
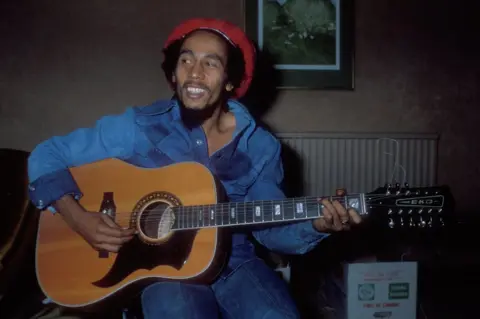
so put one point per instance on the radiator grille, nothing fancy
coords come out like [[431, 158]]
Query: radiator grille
[[359, 162]]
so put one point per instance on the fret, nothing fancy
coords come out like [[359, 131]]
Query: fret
[[268, 211], [263, 210], [313, 207], [185, 217], [211, 215], [225, 214], [188, 216], [299, 208], [241, 211], [248, 212], [233, 213], [277, 210], [191, 217], [258, 211], [194, 214], [178, 217], [205, 217], [196, 217], [289, 209], [218, 215], [200, 217]]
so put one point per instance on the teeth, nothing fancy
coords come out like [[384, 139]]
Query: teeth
[[195, 90]]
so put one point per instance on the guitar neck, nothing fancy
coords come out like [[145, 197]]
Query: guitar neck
[[258, 212]]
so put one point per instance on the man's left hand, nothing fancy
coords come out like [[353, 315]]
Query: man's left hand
[[336, 217]]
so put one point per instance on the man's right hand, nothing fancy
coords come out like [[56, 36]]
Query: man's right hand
[[99, 230]]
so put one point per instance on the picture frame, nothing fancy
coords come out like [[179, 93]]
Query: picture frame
[[311, 41]]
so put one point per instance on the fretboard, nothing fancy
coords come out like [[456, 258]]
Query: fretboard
[[258, 212]]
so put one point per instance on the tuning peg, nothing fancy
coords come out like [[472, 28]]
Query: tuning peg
[[411, 223], [391, 223], [406, 187], [388, 187], [421, 223]]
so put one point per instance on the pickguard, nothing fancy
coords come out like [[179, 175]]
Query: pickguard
[[138, 255]]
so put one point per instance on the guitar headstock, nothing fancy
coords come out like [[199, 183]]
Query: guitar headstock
[[405, 207]]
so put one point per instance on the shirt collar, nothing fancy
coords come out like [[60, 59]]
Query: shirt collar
[[243, 118]]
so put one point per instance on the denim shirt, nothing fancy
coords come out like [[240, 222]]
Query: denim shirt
[[249, 167]]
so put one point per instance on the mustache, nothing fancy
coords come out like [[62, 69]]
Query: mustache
[[200, 86]]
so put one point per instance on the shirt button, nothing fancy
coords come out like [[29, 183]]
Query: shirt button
[[32, 188], [199, 142], [40, 202]]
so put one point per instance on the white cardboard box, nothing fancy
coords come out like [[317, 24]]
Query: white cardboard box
[[381, 290]]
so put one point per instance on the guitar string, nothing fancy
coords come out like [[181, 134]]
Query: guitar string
[[181, 211]]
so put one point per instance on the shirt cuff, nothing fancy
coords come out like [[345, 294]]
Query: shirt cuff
[[310, 234], [307, 236], [51, 187]]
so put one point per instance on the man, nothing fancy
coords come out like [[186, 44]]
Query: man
[[209, 64]]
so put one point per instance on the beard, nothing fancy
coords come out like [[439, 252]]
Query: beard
[[195, 117]]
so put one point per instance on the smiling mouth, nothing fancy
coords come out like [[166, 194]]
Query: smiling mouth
[[194, 92]]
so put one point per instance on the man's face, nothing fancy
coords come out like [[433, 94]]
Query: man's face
[[200, 74]]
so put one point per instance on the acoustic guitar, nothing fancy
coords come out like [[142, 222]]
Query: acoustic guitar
[[182, 227]]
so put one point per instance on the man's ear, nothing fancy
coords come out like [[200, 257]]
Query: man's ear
[[174, 79]]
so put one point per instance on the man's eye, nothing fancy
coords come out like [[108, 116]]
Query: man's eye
[[212, 64]]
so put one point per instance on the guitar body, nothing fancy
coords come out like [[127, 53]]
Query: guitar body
[[72, 274]]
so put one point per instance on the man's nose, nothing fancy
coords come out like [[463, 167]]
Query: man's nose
[[196, 71]]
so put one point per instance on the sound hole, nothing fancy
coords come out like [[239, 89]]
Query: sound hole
[[156, 221]]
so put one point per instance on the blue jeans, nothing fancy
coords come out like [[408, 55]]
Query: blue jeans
[[252, 291]]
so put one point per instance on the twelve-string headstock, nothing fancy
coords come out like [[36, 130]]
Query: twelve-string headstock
[[405, 207]]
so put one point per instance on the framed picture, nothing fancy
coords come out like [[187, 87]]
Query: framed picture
[[310, 41]]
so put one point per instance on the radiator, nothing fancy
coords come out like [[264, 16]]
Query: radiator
[[358, 162]]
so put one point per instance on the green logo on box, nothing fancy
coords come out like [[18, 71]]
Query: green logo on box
[[400, 290], [366, 292]]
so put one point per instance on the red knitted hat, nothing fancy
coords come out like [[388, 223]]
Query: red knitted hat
[[231, 33]]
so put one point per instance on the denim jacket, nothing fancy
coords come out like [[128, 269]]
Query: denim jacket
[[249, 167]]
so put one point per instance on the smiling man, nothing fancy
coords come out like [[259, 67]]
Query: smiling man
[[209, 64]]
